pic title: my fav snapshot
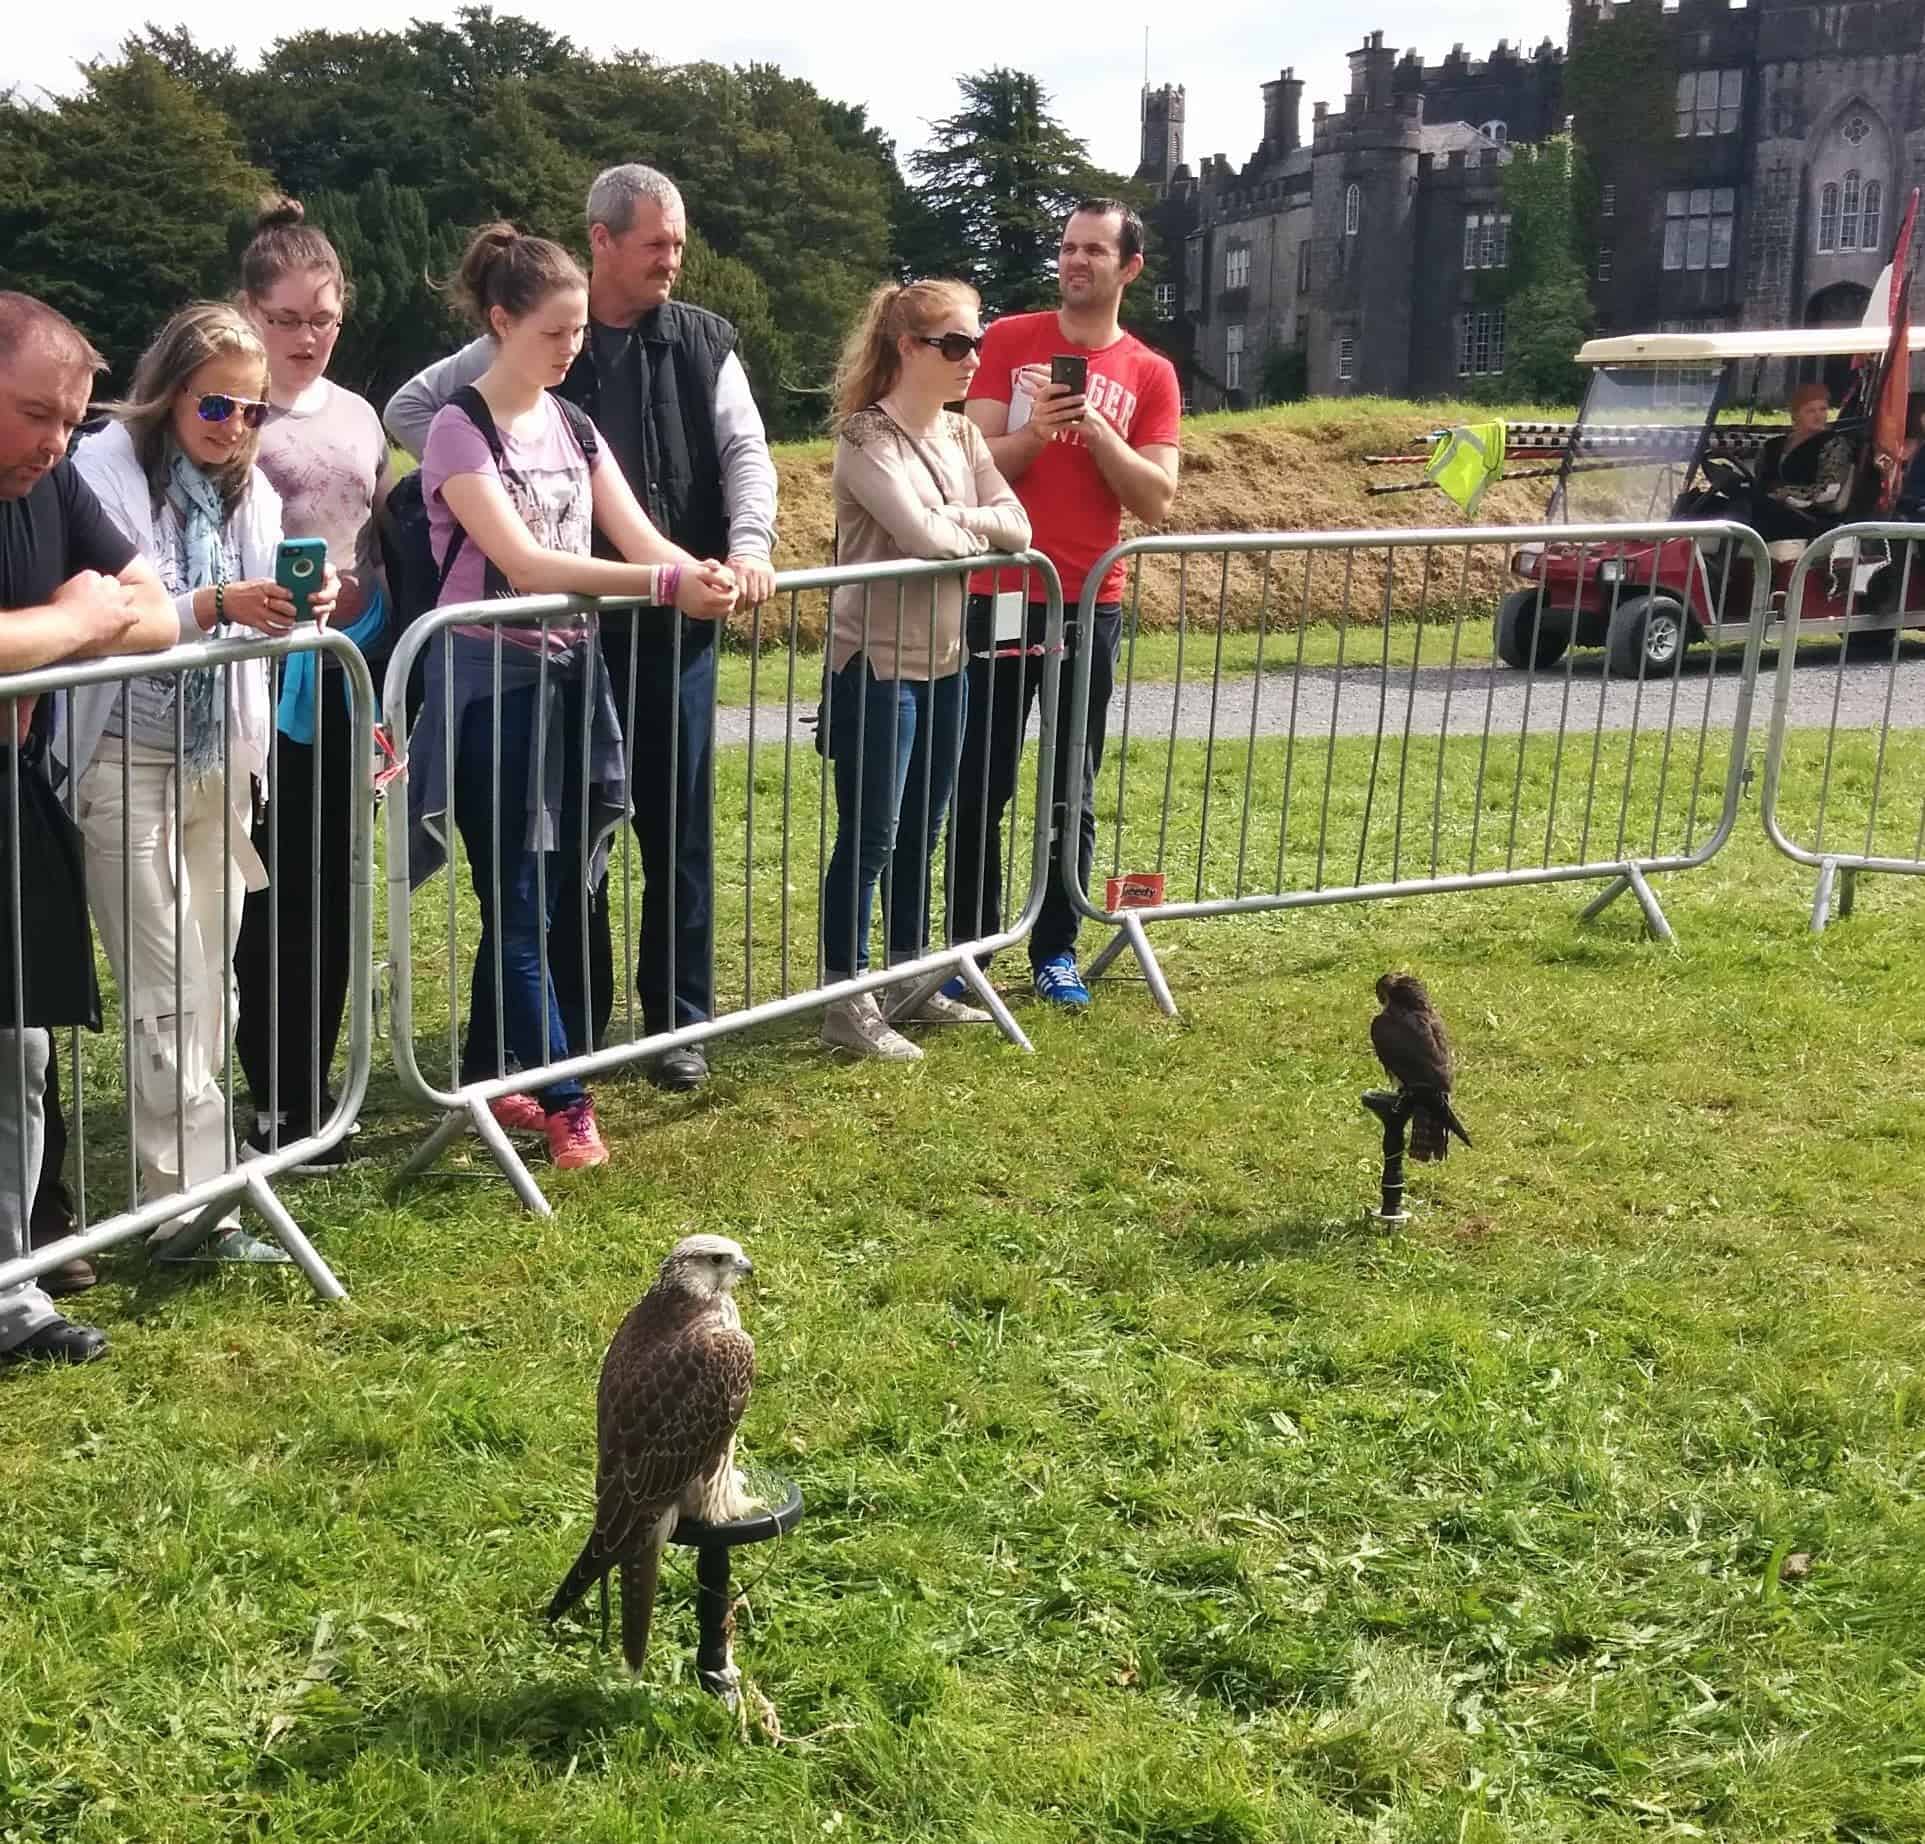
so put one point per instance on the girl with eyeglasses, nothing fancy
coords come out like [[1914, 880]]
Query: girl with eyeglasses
[[912, 479], [166, 764], [324, 451]]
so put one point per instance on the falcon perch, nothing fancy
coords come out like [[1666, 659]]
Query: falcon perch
[[673, 1387], [1409, 1039]]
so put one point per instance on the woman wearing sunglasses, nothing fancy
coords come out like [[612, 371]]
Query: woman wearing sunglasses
[[166, 824], [912, 479], [325, 453]]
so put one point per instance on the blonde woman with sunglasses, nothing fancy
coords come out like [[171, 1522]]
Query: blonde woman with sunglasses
[[167, 829]]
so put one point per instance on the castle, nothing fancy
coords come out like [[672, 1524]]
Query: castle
[[1760, 186]]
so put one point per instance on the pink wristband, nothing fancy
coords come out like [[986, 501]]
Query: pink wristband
[[668, 579]]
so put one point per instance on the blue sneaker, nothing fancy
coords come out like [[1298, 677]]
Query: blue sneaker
[[1058, 981]]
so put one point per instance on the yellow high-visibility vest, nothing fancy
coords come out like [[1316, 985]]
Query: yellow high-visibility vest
[[1465, 463]]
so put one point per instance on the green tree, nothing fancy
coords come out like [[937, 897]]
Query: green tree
[[116, 203], [992, 190], [1546, 298]]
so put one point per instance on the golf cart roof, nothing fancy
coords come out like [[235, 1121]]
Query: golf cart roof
[[1758, 343]]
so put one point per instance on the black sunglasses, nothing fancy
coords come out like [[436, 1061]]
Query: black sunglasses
[[217, 407], [955, 347]]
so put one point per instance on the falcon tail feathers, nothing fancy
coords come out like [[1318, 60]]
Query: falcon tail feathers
[[639, 1578], [590, 1567], [1432, 1122]]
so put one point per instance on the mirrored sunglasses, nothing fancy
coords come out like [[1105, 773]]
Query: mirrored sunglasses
[[217, 407]]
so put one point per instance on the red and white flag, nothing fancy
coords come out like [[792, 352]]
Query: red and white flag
[[1894, 383]]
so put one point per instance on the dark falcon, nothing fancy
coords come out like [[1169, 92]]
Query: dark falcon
[[674, 1385], [1409, 1039]]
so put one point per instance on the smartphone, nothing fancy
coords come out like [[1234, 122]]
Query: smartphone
[[299, 566], [1070, 368]]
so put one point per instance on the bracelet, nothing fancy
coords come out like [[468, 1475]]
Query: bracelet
[[668, 580], [220, 601]]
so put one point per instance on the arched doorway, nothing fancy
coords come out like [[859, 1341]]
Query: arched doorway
[[1843, 304]]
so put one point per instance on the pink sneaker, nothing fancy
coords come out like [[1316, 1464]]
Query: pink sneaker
[[519, 1113], [574, 1139]]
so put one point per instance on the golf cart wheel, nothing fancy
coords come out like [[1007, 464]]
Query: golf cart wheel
[[1522, 638], [1648, 633]]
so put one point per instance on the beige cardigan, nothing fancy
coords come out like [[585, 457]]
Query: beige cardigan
[[895, 498]]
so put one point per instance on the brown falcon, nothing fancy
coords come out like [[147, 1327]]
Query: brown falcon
[[674, 1385], [1409, 1039]]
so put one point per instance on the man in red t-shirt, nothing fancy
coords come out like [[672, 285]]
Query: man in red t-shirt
[[1077, 460]]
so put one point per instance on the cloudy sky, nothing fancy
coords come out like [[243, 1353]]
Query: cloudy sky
[[905, 75]]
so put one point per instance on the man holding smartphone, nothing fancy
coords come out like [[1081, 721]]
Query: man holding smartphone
[[1078, 458]]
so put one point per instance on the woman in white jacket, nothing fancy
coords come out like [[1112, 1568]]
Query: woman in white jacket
[[175, 469]]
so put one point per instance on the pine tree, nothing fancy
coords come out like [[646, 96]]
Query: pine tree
[[992, 191]]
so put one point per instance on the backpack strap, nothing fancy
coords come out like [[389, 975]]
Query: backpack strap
[[474, 407], [579, 427]]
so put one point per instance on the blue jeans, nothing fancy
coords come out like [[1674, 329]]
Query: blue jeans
[[895, 744], [530, 1014]]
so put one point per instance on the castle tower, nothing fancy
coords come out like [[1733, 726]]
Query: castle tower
[[1162, 124], [1363, 201]]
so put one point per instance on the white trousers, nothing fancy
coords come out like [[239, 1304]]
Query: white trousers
[[162, 854]]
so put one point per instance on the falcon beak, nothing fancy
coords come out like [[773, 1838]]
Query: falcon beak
[[743, 1265]]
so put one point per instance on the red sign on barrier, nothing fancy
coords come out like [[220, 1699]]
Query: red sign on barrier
[[1139, 890]]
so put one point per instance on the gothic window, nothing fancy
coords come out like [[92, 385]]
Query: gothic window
[[1233, 358], [1697, 228], [1495, 131], [1848, 213], [1353, 210], [1868, 225], [1855, 131], [1827, 217]]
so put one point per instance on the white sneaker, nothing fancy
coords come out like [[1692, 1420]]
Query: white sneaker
[[939, 1008], [858, 1024]]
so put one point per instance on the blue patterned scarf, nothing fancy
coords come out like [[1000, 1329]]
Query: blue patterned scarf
[[197, 505]]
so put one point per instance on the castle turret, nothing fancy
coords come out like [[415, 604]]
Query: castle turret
[[1283, 113], [1162, 122]]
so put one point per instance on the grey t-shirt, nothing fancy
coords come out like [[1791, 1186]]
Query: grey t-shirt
[[327, 464]]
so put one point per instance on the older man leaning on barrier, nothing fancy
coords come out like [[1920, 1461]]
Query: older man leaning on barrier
[[71, 587], [669, 396]]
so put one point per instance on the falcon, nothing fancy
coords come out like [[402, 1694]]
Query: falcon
[[1409, 1039], [673, 1387]]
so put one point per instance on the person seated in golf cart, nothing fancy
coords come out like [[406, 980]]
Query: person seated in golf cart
[[1805, 475]]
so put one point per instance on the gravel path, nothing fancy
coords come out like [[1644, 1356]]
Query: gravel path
[[1481, 693]]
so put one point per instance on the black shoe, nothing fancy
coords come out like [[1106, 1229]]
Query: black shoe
[[678, 1071], [256, 1145], [60, 1342], [74, 1276]]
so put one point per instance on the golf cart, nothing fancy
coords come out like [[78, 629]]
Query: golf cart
[[1668, 432]]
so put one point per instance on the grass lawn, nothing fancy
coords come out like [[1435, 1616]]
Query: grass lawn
[[1152, 1496]]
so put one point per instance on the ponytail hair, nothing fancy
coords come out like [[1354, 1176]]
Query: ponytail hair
[[284, 243], [871, 360], [502, 268]]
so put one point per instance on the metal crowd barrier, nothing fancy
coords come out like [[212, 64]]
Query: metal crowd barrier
[[1851, 797], [94, 1078], [771, 795], [1376, 747]]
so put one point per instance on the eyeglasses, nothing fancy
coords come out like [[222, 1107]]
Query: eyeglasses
[[217, 407], [321, 324], [955, 347]]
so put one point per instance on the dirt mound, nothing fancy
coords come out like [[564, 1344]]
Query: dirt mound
[[1294, 468]]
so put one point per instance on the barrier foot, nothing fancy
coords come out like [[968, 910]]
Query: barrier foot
[[1654, 922], [978, 982], [1821, 903], [288, 1234], [1130, 934], [1632, 879], [496, 1140], [450, 1128]]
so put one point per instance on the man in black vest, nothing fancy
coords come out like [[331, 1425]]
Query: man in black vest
[[667, 391]]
